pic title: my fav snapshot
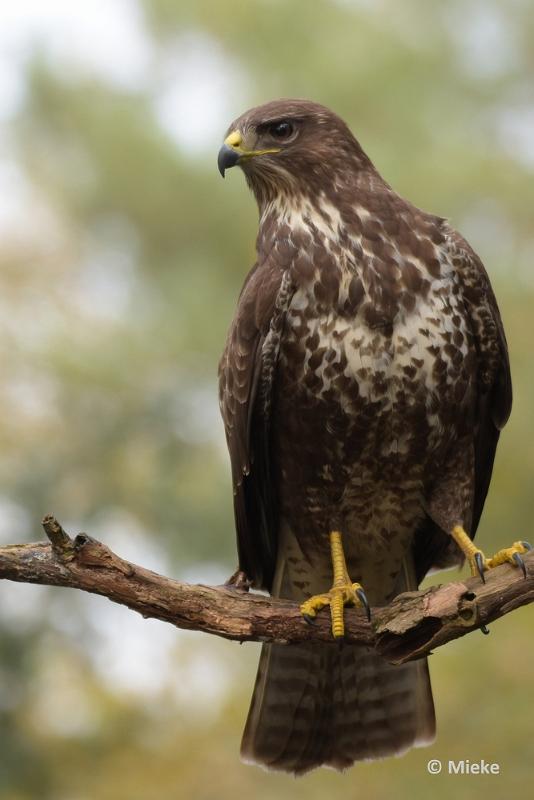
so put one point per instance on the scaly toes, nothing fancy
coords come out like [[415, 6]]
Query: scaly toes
[[512, 555], [312, 605], [508, 555], [347, 595], [337, 598]]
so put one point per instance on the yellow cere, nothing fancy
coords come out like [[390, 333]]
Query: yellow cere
[[234, 139]]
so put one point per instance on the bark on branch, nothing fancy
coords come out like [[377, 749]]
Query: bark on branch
[[413, 625]]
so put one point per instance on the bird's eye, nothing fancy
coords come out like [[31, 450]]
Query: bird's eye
[[281, 130]]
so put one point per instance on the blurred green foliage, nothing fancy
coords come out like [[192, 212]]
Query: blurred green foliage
[[117, 288]]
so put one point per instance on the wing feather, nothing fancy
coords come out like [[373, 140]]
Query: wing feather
[[247, 373], [432, 546], [495, 382]]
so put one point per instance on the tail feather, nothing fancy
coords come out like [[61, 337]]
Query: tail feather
[[316, 704]]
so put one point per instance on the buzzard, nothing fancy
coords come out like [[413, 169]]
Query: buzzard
[[363, 387]]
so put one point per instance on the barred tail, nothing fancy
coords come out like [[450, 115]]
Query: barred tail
[[315, 704], [318, 704]]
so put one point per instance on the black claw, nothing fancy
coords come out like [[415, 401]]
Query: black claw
[[479, 561], [526, 545], [518, 558], [365, 603], [310, 620], [485, 630]]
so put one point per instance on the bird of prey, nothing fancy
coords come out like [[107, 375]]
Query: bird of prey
[[363, 387]]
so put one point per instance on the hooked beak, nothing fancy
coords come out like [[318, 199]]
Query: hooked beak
[[228, 157], [232, 152]]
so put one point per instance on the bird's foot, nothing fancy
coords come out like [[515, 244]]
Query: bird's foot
[[339, 596], [512, 554], [478, 562], [343, 592]]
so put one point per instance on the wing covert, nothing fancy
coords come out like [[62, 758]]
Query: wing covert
[[494, 379], [432, 546]]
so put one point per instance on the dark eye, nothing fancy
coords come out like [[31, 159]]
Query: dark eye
[[281, 130]]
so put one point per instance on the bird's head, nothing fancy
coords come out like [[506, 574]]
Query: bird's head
[[291, 147]]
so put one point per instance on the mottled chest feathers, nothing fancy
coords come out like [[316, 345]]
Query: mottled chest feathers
[[354, 261]]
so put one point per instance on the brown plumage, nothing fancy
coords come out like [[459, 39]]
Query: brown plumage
[[363, 386]]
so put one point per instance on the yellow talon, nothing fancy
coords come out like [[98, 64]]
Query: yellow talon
[[478, 561], [343, 592]]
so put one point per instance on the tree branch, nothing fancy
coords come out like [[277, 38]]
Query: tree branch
[[410, 627]]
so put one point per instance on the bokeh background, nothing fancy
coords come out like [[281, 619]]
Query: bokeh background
[[122, 253]]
